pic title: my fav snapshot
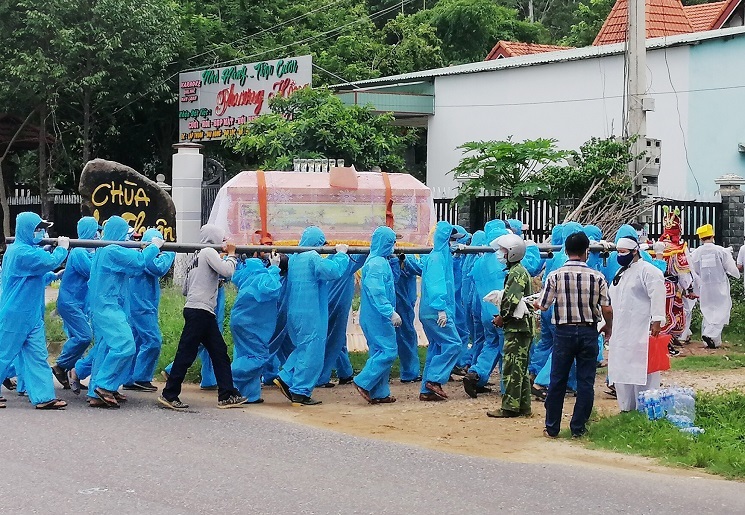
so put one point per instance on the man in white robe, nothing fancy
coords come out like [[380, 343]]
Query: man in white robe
[[637, 295], [711, 264]]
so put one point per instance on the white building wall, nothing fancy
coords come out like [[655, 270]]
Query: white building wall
[[569, 101]]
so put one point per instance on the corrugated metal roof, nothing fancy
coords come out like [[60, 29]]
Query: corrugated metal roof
[[546, 58]]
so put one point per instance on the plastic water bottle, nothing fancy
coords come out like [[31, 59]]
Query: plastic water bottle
[[641, 402], [659, 413]]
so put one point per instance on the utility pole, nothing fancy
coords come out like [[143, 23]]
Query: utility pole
[[636, 85]]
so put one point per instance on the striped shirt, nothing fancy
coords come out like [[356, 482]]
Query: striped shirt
[[578, 292]]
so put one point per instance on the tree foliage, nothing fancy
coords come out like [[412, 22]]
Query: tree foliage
[[509, 168], [314, 123]]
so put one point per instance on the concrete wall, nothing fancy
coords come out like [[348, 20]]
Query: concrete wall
[[574, 101]]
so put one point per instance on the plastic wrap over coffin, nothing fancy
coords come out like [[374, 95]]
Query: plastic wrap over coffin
[[296, 200]]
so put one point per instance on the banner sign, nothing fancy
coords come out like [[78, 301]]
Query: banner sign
[[215, 103]]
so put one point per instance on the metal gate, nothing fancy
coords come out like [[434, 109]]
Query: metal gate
[[213, 178], [693, 215]]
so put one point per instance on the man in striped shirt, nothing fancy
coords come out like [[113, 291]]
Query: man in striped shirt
[[579, 295]]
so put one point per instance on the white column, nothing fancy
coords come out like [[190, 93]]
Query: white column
[[188, 164]]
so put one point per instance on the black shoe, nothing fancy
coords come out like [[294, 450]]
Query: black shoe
[[60, 375], [284, 388], [133, 387], [346, 380], [570, 393], [304, 400], [326, 385], [10, 383], [470, 384], [146, 386], [459, 371], [417, 379], [672, 351], [709, 342], [234, 401], [483, 389]]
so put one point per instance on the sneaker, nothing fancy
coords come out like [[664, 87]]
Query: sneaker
[[175, 404], [210, 388], [61, 376], [234, 401], [500, 413], [75, 385], [133, 387], [304, 400], [470, 384], [146, 386], [709, 342], [672, 351], [165, 375]]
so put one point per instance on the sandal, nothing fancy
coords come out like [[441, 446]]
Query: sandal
[[107, 397], [3, 400], [385, 400], [54, 404], [97, 403], [364, 393], [120, 397]]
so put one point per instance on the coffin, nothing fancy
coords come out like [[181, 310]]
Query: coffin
[[262, 207]]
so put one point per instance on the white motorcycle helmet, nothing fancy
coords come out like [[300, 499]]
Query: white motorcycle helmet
[[512, 245]]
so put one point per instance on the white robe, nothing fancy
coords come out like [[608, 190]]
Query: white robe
[[711, 264], [637, 300]]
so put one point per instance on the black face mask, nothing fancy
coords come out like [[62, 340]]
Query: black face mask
[[625, 259]]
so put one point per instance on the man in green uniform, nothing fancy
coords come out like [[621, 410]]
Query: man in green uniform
[[518, 328]]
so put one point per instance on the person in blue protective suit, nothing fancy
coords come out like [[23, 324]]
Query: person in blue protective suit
[[473, 303], [378, 319], [543, 376], [280, 344], [144, 303], [406, 269], [488, 274], [72, 303], [111, 270], [252, 322], [341, 294], [22, 333], [532, 261], [461, 318], [437, 313], [309, 276], [595, 261]]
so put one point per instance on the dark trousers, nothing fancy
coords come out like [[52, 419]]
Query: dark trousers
[[572, 342], [200, 327]]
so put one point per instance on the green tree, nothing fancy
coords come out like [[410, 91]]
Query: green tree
[[589, 20], [507, 167], [470, 28], [314, 123], [408, 45]]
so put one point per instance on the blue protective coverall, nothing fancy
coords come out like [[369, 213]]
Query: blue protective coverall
[[461, 319], [280, 344], [72, 301], [341, 294], [144, 304], [438, 295], [612, 267], [595, 261], [488, 274], [252, 322], [22, 333], [377, 305], [112, 268], [473, 309], [307, 315], [405, 275]]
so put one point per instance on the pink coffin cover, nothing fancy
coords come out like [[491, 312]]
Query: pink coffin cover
[[296, 200]]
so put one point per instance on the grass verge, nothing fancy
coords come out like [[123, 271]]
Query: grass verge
[[720, 362], [721, 450]]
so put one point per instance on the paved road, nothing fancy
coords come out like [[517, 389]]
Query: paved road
[[144, 459]]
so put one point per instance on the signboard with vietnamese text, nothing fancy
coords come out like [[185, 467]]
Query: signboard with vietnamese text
[[215, 103]]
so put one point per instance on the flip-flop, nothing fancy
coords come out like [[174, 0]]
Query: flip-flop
[[384, 400], [54, 404], [364, 393], [3, 401], [120, 397], [107, 397]]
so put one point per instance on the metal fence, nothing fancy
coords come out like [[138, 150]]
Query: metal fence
[[446, 210], [66, 212], [540, 216]]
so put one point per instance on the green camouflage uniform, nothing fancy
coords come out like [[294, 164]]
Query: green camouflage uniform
[[518, 333]]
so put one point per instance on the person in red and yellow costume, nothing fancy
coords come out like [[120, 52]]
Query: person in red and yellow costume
[[678, 276]]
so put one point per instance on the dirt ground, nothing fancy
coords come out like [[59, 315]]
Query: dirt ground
[[460, 425]]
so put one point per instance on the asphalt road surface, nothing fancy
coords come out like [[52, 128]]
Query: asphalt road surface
[[143, 459]]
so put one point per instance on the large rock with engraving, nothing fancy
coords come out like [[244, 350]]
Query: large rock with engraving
[[109, 188]]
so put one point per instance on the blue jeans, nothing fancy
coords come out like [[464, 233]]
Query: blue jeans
[[580, 343]]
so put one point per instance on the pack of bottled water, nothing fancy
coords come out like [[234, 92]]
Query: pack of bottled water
[[676, 404]]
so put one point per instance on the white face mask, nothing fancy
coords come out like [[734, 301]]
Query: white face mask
[[501, 257]]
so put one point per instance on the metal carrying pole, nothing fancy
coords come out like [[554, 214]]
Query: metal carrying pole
[[545, 249]]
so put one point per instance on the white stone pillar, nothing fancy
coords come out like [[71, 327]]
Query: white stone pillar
[[188, 164]]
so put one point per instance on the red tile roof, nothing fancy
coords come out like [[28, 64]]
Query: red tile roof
[[514, 49], [664, 18], [704, 16]]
